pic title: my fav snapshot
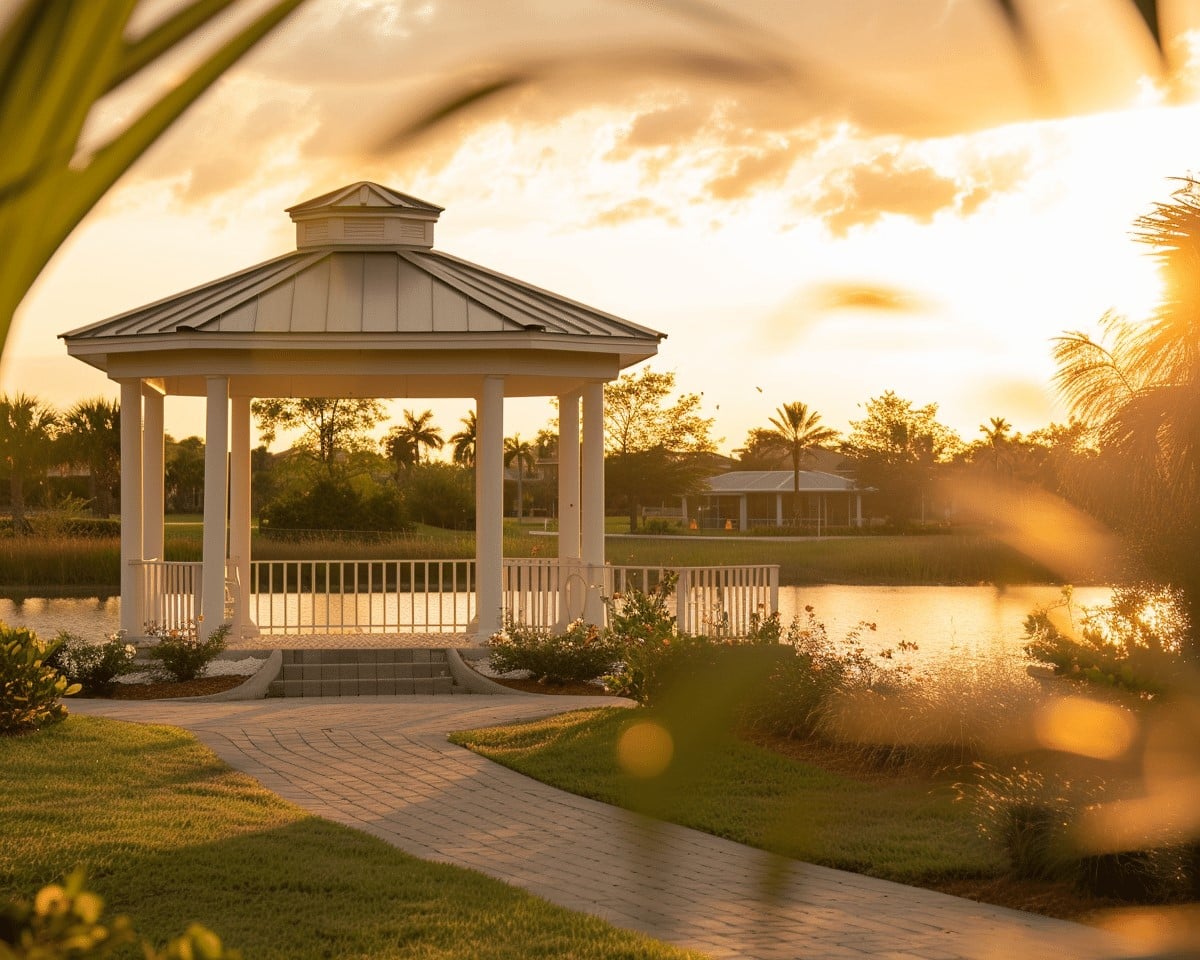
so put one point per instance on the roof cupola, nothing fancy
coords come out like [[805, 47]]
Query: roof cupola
[[364, 214]]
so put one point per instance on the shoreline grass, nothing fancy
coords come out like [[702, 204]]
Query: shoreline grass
[[31, 566], [169, 834]]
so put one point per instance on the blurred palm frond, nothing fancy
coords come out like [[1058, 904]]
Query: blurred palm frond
[[58, 60]]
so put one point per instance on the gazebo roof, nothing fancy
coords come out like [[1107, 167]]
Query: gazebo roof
[[364, 306], [777, 481]]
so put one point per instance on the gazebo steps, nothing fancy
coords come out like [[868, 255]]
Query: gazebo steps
[[363, 672]]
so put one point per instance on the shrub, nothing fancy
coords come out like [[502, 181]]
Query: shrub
[[180, 652], [31, 690], [582, 653], [658, 663], [643, 630], [801, 697], [1133, 643], [441, 494], [330, 504], [659, 526], [1033, 816], [64, 922], [1029, 815], [95, 666]]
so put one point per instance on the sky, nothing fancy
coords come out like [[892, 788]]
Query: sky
[[815, 202]]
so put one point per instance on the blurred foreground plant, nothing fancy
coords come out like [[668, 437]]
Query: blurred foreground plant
[[64, 922]]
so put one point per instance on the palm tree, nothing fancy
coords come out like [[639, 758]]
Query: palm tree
[[91, 437], [1139, 386], [798, 430], [27, 428], [523, 454], [997, 444], [464, 440], [404, 442]]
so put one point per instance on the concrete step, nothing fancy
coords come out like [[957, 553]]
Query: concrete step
[[363, 672]]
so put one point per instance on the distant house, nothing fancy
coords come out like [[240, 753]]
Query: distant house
[[743, 499]]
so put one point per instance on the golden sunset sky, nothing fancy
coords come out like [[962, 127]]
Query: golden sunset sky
[[815, 201]]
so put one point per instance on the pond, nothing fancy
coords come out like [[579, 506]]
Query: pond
[[943, 621]]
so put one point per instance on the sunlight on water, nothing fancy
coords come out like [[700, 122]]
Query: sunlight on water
[[963, 621]]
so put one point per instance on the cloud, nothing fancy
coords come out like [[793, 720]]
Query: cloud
[[753, 170], [640, 209], [892, 183], [864, 296]]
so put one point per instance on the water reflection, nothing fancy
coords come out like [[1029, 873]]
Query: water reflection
[[963, 621]]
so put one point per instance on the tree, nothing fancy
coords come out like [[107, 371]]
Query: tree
[[998, 447], [403, 443], [797, 430], [522, 453], [91, 437], [332, 429], [184, 474], [652, 445], [464, 440], [1139, 386], [27, 431], [896, 449]]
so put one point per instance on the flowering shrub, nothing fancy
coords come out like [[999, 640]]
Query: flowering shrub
[[180, 652], [64, 922], [1132, 643], [95, 666], [31, 690], [582, 653]]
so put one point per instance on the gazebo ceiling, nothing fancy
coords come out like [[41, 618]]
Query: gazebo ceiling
[[364, 307]]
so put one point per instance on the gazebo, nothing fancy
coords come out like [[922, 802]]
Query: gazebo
[[364, 307]]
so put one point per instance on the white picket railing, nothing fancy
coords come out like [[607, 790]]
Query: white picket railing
[[438, 596], [170, 593], [364, 596], [718, 601]]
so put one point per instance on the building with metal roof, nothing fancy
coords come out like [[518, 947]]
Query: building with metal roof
[[364, 307], [742, 499]]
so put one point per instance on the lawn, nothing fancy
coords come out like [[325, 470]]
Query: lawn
[[169, 834], [907, 829]]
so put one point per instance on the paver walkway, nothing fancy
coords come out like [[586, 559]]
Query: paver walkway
[[383, 765]]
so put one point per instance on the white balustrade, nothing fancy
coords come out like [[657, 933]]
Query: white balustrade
[[438, 596]]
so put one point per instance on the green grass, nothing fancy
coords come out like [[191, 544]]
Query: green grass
[[34, 564], [169, 835], [905, 830]]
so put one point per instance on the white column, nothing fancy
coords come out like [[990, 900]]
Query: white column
[[216, 480], [152, 474], [489, 498], [858, 509], [131, 508], [744, 512], [592, 499], [779, 509], [568, 476], [239, 510]]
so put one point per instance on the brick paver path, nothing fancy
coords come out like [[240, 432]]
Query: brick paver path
[[383, 765]]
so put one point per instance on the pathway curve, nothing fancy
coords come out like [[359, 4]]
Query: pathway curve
[[383, 765]]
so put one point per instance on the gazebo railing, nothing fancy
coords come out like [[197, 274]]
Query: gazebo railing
[[438, 596], [362, 596]]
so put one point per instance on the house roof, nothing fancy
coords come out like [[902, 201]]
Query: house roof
[[777, 481], [365, 295]]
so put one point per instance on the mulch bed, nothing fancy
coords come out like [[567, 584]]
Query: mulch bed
[[572, 688], [166, 690]]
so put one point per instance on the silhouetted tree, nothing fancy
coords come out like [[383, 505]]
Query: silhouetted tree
[[27, 431]]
